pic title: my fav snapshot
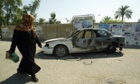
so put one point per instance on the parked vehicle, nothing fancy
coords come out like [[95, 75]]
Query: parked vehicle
[[83, 41]]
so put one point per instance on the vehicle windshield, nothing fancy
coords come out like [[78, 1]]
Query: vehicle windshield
[[109, 33], [73, 33]]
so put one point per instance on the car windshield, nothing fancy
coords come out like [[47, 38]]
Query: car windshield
[[109, 33], [73, 33]]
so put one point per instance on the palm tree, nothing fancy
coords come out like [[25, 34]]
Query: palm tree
[[53, 19], [58, 22], [122, 12], [109, 20], [106, 19], [32, 7], [41, 20]]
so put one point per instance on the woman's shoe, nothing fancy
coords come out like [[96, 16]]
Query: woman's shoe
[[34, 78]]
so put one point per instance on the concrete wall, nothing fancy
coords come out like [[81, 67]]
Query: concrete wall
[[49, 31], [43, 31]]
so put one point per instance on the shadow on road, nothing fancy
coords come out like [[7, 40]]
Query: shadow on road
[[17, 79], [80, 56]]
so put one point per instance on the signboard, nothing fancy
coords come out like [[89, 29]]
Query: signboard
[[83, 21], [104, 26], [116, 29], [137, 29]]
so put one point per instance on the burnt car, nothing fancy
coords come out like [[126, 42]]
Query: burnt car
[[83, 41]]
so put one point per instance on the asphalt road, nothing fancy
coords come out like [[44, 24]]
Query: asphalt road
[[90, 68]]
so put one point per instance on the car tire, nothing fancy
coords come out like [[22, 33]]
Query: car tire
[[111, 48], [60, 50]]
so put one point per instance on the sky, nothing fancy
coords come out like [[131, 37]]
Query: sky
[[66, 9]]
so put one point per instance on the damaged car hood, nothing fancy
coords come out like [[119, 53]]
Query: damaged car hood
[[56, 39]]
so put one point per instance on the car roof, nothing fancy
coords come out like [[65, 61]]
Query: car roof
[[80, 29]]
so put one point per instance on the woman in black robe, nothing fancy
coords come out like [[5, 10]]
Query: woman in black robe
[[25, 39]]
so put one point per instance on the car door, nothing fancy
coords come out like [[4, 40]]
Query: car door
[[84, 39], [102, 39], [80, 40]]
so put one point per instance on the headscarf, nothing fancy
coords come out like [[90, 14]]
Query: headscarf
[[27, 24]]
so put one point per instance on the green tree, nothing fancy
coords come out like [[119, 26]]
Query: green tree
[[106, 19], [115, 21], [109, 20], [8, 11], [11, 8], [58, 22], [31, 8], [41, 21], [52, 19], [122, 12], [11, 12], [26, 8]]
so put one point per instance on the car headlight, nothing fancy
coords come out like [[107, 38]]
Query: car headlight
[[46, 45]]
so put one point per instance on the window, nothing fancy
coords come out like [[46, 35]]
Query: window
[[88, 34], [80, 35], [102, 33]]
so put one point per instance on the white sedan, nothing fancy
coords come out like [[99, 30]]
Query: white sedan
[[84, 40]]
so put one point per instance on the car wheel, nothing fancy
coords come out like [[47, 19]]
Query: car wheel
[[111, 48], [60, 50]]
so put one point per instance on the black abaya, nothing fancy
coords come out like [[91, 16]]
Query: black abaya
[[26, 44]]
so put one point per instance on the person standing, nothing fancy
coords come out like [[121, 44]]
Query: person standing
[[25, 39]]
